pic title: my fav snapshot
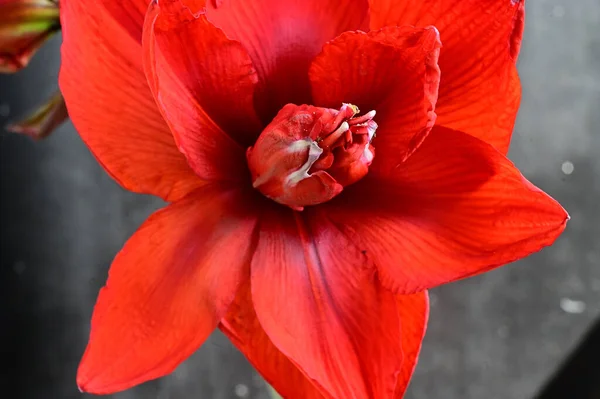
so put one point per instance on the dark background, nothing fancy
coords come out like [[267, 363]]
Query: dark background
[[503, 335]]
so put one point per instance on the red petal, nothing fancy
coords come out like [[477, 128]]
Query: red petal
[[186, 58], [111, 106], [167, 290], [456, 207], [282, 37], [393, 71], [244, 330], [129, 14], [480, 90], [414, 314], [215, 71], [322, 306]]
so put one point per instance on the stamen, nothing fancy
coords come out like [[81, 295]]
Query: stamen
[[362, 119], [335, 135]]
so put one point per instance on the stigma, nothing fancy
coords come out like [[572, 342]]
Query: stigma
[[307, 154]]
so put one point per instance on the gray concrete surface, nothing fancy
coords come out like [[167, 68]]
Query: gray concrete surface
[[496, 336]]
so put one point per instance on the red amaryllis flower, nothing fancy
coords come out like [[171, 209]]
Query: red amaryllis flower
[[321, 177]]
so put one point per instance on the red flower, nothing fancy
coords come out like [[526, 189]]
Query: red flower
[[329, 301]]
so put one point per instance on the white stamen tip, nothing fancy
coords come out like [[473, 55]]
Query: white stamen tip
[[368, 154], [371, 129], [344, 127]]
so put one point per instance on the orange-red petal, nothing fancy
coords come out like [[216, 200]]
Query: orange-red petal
[[393, 71], [185, 59], [320, 302], [129, 14], [457, 207], [282, 37], [246, 333], [244, 330], [414, 314], [480, 90], [216, 71], [167, 290], [111, 106]]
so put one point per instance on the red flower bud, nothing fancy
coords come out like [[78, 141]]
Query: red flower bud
[[24, 26], [41, 122], [307, 154]]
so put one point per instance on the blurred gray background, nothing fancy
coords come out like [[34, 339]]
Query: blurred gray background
[[496, 336]]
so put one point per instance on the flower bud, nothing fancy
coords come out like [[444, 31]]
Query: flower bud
[[25, 25], [42, 121]]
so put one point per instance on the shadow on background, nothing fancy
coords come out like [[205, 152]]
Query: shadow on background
[[579, 376]]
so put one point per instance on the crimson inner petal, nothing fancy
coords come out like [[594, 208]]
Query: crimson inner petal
[[282, 38]]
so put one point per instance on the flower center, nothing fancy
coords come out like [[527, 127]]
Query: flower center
[[307, 155]]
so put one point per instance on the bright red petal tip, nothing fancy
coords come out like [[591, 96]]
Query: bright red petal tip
[[457, 207], [246, 333], [167, 290]]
